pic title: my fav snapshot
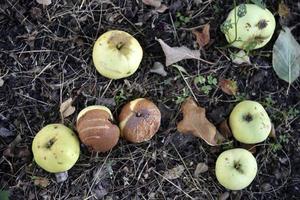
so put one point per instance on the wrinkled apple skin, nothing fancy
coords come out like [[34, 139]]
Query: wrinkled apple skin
[[62, 154], [117, 54], [250, 132], [236, 168], [254, 30]]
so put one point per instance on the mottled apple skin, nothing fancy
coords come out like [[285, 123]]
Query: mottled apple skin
[[236, 168], [117, 54], [55, 148], [254, 29], [253, 130]]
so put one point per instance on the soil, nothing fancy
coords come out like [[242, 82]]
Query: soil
[[45, 58]]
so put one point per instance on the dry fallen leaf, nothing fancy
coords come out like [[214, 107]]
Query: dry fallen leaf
[[44, 2], [202, 37], [273, 132], [66, 108], [201, 168], [176, 54], [224, 129], [158, 68], [159, 7], [41, 181], [240, 58], [174, 173], [228, 86], [249, 147], [195, 122], [283, 10], [153, 3]]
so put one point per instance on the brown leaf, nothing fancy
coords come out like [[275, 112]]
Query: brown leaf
[[201, 168], [174, 173], [153, 3], [283, 10], [202, 37], [195, 122], [249, 147], [176, 54], [273, 132], [44, 2], [228, 86], [162, 8], [66, 108], [224, 129], [41, 181]]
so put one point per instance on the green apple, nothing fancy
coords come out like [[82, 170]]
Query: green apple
[[249, 26], [55, 148], [117, 54], [236, 168], [249, 122]]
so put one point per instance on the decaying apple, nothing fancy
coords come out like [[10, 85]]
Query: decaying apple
[[249, 122], [249, 26], [55, 148], [117, 54], [236, 168]]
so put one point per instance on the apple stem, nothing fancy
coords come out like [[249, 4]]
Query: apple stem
[[120, 45], [50, 143], [61, 176]]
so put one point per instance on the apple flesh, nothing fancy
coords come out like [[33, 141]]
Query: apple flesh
[[55, 148], [253, 29], [117, 54], [249, 122], [236, 168]]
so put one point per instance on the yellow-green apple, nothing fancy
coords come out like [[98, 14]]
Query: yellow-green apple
[[249, 122], [249, 26], [117, 54], [55, 148], [236, 168]]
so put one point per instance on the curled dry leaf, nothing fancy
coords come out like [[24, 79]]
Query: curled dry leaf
[[202, 37], [174, 173], [153, 3], [176, 54], [44, 2], [40, 181], [195, 122], [224, 129], [283, 10], [201, 168], [240, 58], [273, 132], [249, 147], [228, 86], [66, 108], [159, 7], [158, 68]]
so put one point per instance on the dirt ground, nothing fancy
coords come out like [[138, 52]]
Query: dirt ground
[[45, 58]]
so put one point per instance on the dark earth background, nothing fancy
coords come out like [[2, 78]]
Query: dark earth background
[[45, 58]]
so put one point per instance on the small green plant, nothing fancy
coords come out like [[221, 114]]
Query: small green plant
[[205, 85], [181, 20], [181, 97], [293, 112], [282, 140], [120, 96]]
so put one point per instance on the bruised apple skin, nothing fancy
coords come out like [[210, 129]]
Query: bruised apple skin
[[117, 54], [253, 29], [249, 122], [236, 168], [55, 148]]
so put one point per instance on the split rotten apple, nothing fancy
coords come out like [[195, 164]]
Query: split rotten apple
[[117, 54], [236, 168], [96, 130], [249, 26], [249, 122], [55, 148]]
